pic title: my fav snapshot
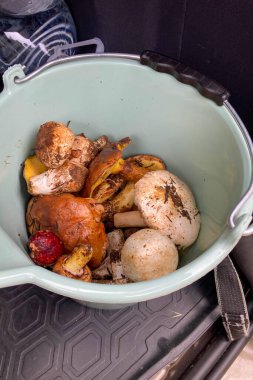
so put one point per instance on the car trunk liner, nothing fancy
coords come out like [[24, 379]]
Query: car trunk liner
[[47, 336]]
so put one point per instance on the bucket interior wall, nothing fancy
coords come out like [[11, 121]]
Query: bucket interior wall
[[118, 97]]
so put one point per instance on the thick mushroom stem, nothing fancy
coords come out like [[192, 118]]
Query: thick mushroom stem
[[116, 241], [80, 256], [129, 219], [58, 268], [69, 178]]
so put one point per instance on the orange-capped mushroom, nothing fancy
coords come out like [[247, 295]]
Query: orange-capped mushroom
[[108, 161], [75, 220], [135, 167]]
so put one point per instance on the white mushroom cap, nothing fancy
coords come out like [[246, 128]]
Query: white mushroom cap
[[167, 204], [148, 254]]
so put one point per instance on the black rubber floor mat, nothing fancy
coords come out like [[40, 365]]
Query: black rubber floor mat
[[50, 337]]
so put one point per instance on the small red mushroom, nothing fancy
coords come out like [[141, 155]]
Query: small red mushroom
[[45, 248]]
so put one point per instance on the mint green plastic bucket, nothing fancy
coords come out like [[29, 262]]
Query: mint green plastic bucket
[[203, 143]]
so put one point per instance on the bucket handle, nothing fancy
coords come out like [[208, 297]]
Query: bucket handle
[[214, 91], [185, 74], [249, 192], [58, 51], [206, 87]]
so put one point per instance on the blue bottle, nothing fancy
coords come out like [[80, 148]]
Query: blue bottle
[[31, 29]]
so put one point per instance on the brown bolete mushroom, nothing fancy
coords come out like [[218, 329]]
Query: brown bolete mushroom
[[74, 265], [69, 177], [54, 144], [75, 220], [165, 203], [107, 162], [135, 167], [148, 254]]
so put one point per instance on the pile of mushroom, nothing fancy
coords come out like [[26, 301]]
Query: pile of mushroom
[[115, 220]]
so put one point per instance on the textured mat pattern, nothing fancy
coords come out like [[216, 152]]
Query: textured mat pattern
[[46, 336]]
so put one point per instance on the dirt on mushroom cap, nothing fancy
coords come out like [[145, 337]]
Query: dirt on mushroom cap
[[167, 204], [54, 143]]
